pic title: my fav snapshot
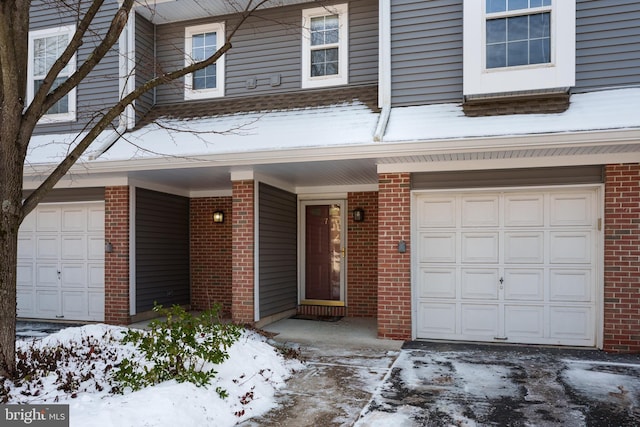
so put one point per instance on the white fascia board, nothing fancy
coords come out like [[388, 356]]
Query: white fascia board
[[78, 181], [210, 193], [511, 163]]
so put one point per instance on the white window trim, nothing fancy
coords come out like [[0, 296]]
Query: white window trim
[[559, 73], [71, 96], [342, 78], [189, 93]]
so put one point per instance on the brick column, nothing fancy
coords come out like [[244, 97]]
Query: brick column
[[362, 256], [210, 248], [394, 268], [242, 246], [116, 263], [622, 259]]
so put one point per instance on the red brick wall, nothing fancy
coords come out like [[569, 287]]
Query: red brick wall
[[243, 251], [210, 254], [622, 259], [116, 263], [394, 268], [362, 256]]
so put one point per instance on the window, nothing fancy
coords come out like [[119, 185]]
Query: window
[[518, 45], [324, 46], [201, 42], [45, 46]]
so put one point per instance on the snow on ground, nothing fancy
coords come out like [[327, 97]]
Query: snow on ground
[[253, 373]]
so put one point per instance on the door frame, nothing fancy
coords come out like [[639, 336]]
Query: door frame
[[598, 266], [301, 251]]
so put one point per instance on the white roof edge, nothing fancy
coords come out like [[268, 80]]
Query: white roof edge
[[368, 150]]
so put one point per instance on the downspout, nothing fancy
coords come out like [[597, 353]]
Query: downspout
[[384, 69], [126, 120]]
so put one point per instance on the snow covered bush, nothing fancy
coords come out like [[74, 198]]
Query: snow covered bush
[[182, 346]]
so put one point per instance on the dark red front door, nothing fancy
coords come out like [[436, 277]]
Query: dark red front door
[[322, 252]]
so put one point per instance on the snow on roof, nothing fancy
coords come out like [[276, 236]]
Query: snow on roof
[[604, 110], [339, 124]]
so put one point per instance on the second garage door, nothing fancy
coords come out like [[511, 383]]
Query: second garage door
[[507, 266], [61, 262]]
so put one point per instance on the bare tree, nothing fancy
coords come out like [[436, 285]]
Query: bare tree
[[18, 121]]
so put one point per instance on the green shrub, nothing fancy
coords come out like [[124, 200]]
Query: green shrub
[[179, 348]]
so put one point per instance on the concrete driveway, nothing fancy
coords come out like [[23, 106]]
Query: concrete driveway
[[436, 384], [355, 379]]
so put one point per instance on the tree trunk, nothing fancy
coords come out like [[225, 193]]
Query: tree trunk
[[8, 263]]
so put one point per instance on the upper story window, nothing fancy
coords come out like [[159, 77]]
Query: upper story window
[[325, 53], [201, 42], [518, 45], [518, 32], [45, 47]]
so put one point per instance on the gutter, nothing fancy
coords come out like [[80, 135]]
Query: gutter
[[126, 120], [384, 69]]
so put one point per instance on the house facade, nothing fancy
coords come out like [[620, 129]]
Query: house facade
[[459, 170]]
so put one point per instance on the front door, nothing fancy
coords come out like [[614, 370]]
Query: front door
[[323, 252]]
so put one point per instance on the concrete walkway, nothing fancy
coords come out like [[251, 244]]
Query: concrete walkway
[[346, 364]]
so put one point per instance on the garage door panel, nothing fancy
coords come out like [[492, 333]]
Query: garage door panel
[[480, 248], [95, 248], [47, 219], [74, 247], [47, 275], [95, 274], [47, 247], [524, 248], [437, 319], [73, 275], [95, 219], [437, 283], [570, 247], [524, 210], [25, 302], [96, 305], [28, 223], [570, 285], [437, 213], [438, 247], [524, 284], [74, 304], [24, 274], [479, 283], [480, 211], [574, 323], [26, 246], [523, 322], [571, 209], [47, 303], [74, 219], [479, 320]]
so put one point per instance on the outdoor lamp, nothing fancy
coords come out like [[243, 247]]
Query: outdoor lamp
[[218, 216], [358, 215]]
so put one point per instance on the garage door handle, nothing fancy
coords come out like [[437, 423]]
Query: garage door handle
[[59, 274], [501, 280]]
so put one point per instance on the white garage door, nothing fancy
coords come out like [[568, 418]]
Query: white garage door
[[515, 267], [61, 262]]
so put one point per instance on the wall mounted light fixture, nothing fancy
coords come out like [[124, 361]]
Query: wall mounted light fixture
[[218, 216], [358, 215]]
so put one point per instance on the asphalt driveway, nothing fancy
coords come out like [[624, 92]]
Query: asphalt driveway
[[438, 384]]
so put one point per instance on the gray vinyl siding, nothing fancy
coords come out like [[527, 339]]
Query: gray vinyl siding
[[607, 44], [572, 175], [426, 51], [278, 272], [162, 249], [100, 88], [144, 63], [271, 43]]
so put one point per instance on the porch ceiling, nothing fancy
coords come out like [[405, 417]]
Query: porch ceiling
[[296, 176]]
